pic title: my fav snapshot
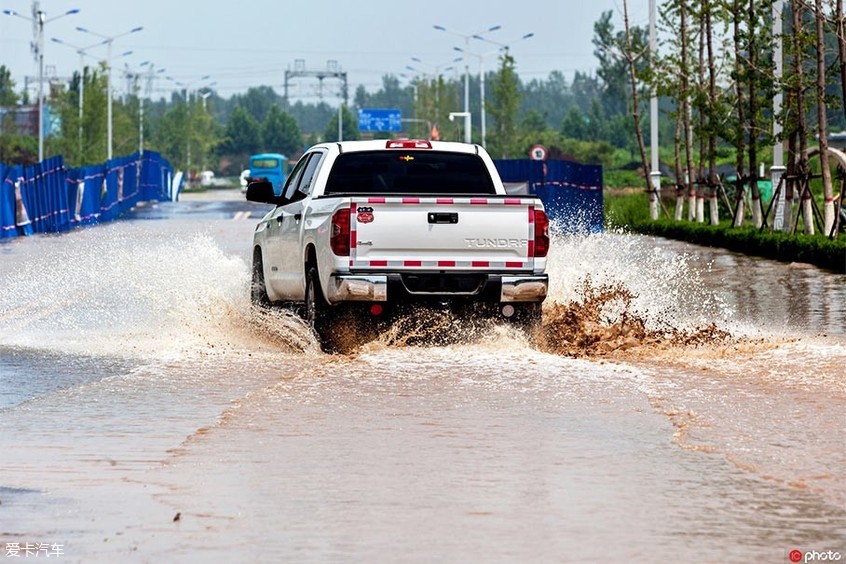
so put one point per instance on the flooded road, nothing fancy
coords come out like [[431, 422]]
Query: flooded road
[[683, 404]]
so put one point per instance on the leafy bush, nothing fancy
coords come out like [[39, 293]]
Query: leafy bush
[[623, 179]]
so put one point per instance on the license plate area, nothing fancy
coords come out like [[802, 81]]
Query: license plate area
[[447, 218], [456, 284]]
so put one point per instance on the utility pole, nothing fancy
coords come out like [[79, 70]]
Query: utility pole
[[39, 18], [332, 71], [778, 169], [655, 172]]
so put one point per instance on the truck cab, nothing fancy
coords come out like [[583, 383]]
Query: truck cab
[[269, 167]]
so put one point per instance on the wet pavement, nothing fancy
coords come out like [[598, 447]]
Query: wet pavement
[[148, 413]]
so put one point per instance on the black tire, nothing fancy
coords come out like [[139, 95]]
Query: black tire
[[311, 312], [316, 312], [258, 290], [340, 328]]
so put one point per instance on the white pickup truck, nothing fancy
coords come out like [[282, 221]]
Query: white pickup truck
[[376, 226]]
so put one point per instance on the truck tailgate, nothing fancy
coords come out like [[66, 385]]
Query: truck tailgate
[[442, 233]]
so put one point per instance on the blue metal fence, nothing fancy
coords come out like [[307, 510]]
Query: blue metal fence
[[570, 192], [51, 198]]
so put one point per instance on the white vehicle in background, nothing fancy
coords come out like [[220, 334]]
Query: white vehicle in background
[[370, 227], [207, 178]]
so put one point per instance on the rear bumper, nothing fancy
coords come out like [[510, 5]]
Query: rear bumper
[[357, 288], [385, 287]]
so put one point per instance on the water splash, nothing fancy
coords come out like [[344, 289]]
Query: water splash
[[140, 288], [604, 320], [662, 287], [135, 289]]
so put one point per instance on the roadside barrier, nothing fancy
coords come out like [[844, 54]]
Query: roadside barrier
[[571, 192], [50, 198]]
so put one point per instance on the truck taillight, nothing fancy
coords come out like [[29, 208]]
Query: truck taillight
[[541, 233], [339, 241]]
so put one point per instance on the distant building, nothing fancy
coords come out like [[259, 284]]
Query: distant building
[[23, 120]]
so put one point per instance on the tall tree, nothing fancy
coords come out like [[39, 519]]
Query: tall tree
[[757, 26], [552, 98], [243, 133], [840, 30], [503, 107], [708, 8], [8, 96], [280, 132], [575, 125], [739, 140], [798, 85], [84, 142], [612, 69], [822, 120], [257, 101], [349, 128], [671, 80], [631, 52]]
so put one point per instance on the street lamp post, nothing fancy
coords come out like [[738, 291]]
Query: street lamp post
[[466, 116], [150, 74], [82, 52], [501, 47], [467, 37], [415, 82], [109, 40], [39, 19]]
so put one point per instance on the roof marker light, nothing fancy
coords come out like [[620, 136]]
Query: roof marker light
[[408, 144]]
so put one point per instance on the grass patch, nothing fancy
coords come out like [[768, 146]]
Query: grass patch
[[626, 207]]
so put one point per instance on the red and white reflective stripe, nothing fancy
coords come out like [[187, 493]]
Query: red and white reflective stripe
[[446, 201], [353, 229], [442, 264], [353, 233], [569, 185], [531, 238]]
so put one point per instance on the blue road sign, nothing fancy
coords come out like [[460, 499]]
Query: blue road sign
[[371, 119]]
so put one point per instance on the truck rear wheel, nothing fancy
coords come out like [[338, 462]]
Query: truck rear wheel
[[312, 313], [317, 312], [339, 328]]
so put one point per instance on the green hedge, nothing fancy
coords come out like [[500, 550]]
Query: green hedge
[[632, 212], [813, 249]]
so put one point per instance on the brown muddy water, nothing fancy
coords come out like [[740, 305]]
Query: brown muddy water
[[678, 404]]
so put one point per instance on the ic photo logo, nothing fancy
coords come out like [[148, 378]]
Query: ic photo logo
[[813, 556]]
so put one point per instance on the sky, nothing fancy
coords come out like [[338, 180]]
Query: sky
[[253, 42]]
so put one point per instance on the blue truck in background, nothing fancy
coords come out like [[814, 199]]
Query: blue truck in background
[[269, 167]]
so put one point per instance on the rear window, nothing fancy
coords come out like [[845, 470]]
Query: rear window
[[265, 163], [409, 172]]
